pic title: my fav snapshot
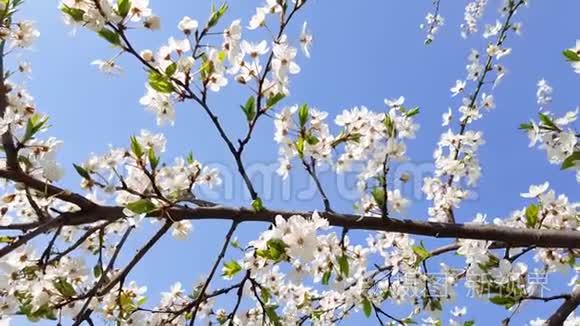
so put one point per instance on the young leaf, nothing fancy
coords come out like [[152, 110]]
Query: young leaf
[[277, 249], [503, 301], [390, 125], [343, 265], [123, 7], [570, 161], [258, 205], [171, 69], [311, 140], [33, 126], [249, 108], [273, 100], [189, 158], [435, 305], [421, 253], [153, 159], [111, 36], [300, 146], [206, 68], [532, 215], [6, 239], [141, 206], [548, 121], [379, 196], [97, 271], [64, 287], [74, 13], [82, 172], [326, 277], [217, 14], [160, 82], [272, 315], [571, 55], [526, 126], [265, 295], [367, 307], [303, 114], [412, 112], [136, 147], [230, 269]]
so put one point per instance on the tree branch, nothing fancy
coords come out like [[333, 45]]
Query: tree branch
[[565, 309]]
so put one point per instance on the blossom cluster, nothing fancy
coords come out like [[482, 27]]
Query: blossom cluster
[[184, 61], [473, 12], [456, 158], [377, 139], [433, 23], [554, 134]]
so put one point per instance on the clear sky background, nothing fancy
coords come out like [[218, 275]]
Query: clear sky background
[[364, 51]]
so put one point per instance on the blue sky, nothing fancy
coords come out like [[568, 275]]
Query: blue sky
[[364, 51]]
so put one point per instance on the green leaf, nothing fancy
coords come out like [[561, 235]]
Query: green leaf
[[111, 36], [367, 307], [532, 215], [235, 243], [258, 205], [469, 323], [503, 301], [222, 55], [570, 161], [311, 140], [435, 305], [171, 69], [136, 147], [272, 315], [326, 277], [274, 99], [343, 265], [82, 172], [43, 312], [526, 126], [265, 295], [316, 314], [97, 271], [300, 146], [141, 206], [303, 114], [123, 7], [141, 301], [390, 125], [249, 108], [127, 304], [217, 14], [571, 55], [160, 82], [189, 158], [276, 250], [64, 287], [6, 239], [33, 126], [231, 268], [153, 159], [207, 68], [548, 121], [412, 112], [421, 252], [379, 195], [74, 13]]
